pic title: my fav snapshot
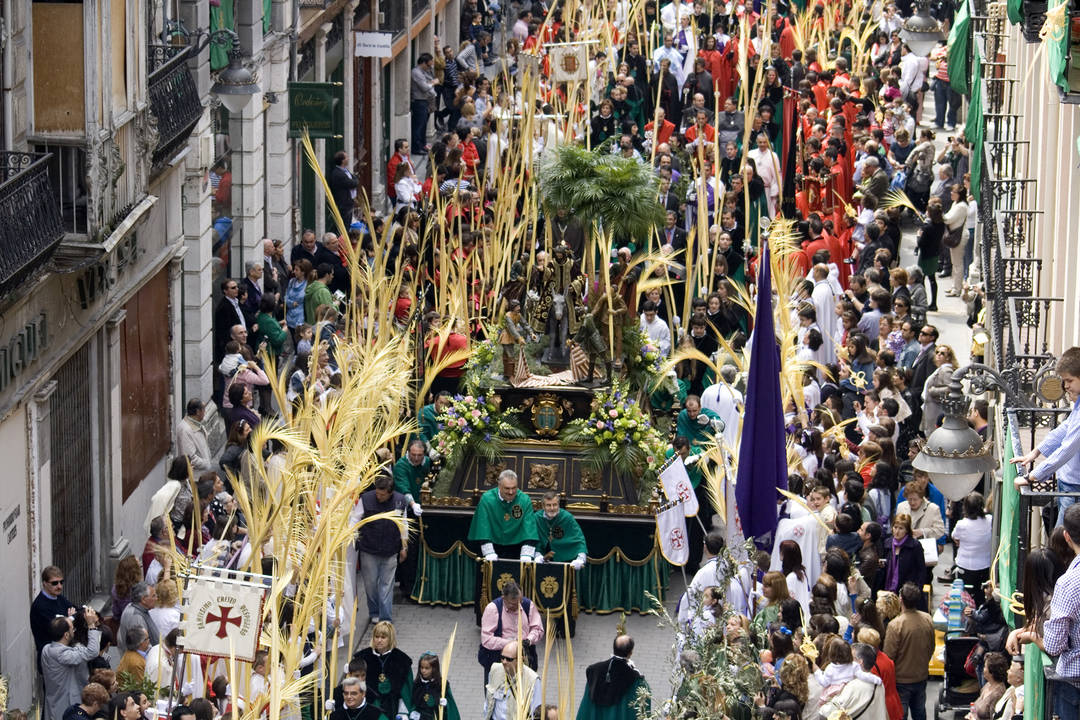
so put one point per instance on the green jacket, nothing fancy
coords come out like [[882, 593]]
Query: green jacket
[[315, 295], [269, 329]]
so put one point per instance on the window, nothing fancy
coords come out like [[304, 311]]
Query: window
[[144, 372], [67, 175]]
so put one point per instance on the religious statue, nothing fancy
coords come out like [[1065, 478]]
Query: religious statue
[[595, 345], [561, 306], [516, 285]]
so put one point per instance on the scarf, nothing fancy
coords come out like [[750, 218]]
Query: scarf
[[892, 579]]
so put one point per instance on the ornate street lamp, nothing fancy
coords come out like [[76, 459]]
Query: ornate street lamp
[[921, 32], [235, 84], [955, 455]]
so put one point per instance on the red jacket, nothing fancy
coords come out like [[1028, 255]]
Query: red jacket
[[886, 670]]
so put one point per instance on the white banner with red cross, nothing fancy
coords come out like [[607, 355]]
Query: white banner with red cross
[[677, 486], [222, 616], [671, 532]]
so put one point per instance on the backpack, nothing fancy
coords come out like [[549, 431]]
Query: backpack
[[488, 657]]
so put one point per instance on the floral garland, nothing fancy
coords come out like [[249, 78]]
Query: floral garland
[[474, 424], [478, 367], [642, 359], [618, 434]]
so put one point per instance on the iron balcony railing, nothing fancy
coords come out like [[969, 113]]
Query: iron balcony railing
[[174, 100], [30, 226]]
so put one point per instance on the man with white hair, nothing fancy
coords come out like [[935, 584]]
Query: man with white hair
[[768, 169]]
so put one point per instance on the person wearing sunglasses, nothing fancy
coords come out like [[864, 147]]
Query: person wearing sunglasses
[[48, 604]]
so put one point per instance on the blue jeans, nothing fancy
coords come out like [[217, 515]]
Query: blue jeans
[[913, 696], [1065, 502], [945, 97], [969, 251], [1066, 700], [378, 574]]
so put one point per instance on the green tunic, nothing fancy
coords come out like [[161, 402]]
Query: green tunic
[[429, 423], [562, 535], [622, 710], [698, 435], [504, 523], [408, 478], [425, 700]]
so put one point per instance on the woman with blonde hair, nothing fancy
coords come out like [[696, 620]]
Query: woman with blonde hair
[[166, 615], [389, 671], [775, 590]]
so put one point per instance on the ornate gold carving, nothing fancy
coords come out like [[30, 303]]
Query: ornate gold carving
[[492, 475], [449, 502], [583, 506], [503, 579], [549, 586], [629, 510], [544, 476], [591, 479]]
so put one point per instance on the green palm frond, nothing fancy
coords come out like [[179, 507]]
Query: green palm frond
[[615, 192]]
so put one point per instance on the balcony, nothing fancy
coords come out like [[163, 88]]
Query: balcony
[[30, 226], [174, 101], [314, 4]]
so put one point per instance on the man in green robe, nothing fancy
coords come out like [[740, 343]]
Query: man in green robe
[[612, 685], [697, 424], [429, 417], [561, 539], [410, 472], [504, 522]]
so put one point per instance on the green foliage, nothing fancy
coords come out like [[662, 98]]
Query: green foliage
[[618, 434], [129, 682], [616, 192], [474, 425], [715, 673]]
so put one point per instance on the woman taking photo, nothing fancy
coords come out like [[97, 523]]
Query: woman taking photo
[[929, 247], [937, 385]]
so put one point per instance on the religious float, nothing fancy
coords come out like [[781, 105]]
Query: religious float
[[591, 441]]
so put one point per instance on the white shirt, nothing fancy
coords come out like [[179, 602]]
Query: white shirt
[[768, 169], [974, 546], [726, 402], [909, 74], [659, 333]]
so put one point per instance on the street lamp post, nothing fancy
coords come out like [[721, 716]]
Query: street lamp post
[[955, 456], [235, 84], [921, 32]]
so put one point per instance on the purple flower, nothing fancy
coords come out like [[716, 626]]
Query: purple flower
[[487, 437]]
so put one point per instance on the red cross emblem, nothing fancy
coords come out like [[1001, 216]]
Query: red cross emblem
[[799, 531], [223, 620], [684, 492], [676, 539]]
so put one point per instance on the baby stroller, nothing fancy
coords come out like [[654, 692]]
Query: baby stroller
[[959, 688]]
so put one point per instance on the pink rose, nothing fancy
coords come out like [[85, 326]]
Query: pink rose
[[599, 425], [461, 422], [476, 413], [468, 398], [613, 413]]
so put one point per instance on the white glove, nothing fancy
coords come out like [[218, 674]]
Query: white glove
[[417, 510], [527, 552], [187, 688], [433, 454], [578, 562], [414, 715], [702, 419], [691, 459], [442, 702], [717, 425], [488, 549], [330, 707], [538, 559], [491, 557]]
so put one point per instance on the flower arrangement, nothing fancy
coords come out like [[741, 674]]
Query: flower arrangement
[[478, 366], [642, 359], [475, 424], [618, 434]]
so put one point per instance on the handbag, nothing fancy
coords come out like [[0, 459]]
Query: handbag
[[919, 180], [953, 238]]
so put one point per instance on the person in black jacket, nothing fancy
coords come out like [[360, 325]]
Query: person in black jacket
[[929, 246], [343, 186], [49, 603], [904, 557]]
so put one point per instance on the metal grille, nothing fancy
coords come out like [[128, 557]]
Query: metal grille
[[67, 177], [72, 477]]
